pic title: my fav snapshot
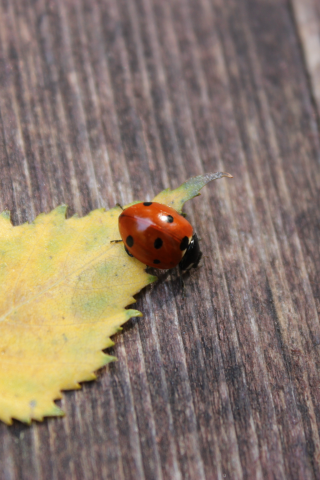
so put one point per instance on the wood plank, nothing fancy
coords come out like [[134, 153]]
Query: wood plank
[[307, 18], [114, 100]]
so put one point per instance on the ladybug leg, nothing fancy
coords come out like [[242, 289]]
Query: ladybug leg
[[118, 205], [182, 285], [127, 251]]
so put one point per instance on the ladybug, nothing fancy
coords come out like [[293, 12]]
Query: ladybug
[[158, 236]]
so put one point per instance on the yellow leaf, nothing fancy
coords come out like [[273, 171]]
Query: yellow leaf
[[64, 289], [190, 189]]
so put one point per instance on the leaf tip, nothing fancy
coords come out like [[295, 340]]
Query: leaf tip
[[61, 209], [133, 313], [6, 215], [6, 419], [152, 278], [55, 411], [109, 359]]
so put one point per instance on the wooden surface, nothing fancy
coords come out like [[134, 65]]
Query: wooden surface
[[106, 101]]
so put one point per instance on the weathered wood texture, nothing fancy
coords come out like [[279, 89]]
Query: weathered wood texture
[[113, 100]]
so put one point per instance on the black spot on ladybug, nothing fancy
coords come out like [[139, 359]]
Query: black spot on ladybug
[[130, 254], [158, 243], [184, 244], [147, 204], [129, 241], [169, 219], [156, 262]]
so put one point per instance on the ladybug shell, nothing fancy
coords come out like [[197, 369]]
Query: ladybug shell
[[155, 234]]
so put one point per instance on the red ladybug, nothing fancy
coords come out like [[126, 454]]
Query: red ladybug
[[159, 236]]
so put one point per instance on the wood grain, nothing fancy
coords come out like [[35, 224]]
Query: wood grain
[[307, 18], [106, 101]]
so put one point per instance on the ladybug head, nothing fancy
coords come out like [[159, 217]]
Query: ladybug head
[[192, 256]]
